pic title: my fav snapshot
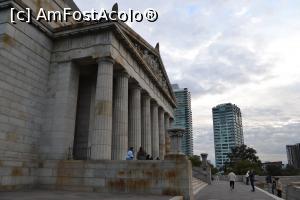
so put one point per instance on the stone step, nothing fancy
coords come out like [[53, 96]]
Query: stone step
[[197, 185]]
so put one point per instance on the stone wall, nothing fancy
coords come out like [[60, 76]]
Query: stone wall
[[203, 174], [168, 177], [285, 180], [239, 178], [16, 175], [24, 64]]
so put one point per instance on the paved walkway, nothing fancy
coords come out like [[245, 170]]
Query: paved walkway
[[220, 191], [66, 195]]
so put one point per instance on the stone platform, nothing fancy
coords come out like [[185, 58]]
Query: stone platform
[[68, 195], [220, 191], [145, 177]]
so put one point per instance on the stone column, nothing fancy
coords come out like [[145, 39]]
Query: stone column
[[146, 124], [167, 137], [155, 130], [162, 135], [57, 143], [120, 117], [102, 135], [134, 125]]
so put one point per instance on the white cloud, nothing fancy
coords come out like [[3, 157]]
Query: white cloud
[[241, 12]]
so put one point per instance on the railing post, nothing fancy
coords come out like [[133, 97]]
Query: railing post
[[206, 168], [204, 160], [183, 179], [176, 137]]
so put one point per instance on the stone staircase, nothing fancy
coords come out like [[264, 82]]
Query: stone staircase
[[197, 185]]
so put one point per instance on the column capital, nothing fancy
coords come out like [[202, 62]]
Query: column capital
[[154, 103], [167, 115], [176, 132], [105, 59], [135, 86], [161, 109], [145, 94], [122, 73]]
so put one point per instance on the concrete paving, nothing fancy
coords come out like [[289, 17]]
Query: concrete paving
[[68, 195], [221, 191]]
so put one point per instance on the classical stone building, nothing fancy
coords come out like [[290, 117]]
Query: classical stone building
[[80, 91], [86, 87]]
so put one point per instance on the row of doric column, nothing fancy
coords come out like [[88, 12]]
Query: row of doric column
[[125, 116]]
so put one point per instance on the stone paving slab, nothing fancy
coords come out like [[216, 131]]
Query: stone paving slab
[[68, 195], [221, 191]]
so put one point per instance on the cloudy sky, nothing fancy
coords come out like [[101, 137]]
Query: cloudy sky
[[246, 52]]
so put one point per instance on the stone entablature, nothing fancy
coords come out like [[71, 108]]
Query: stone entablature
[[148, 56], [108, 44]]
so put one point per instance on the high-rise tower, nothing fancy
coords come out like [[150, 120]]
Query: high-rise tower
[[228, 130], [183, 118]]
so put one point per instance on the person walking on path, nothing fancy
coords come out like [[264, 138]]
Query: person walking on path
[[217, 179], [130, 154], [273, 186], [247, 177], [278, 187], [252, 179], [231, 177], [269, 182]]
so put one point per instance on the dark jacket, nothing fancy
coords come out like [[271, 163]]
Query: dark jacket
[[252, 176], [141, 155]]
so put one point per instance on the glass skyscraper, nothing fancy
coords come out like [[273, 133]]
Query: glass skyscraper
[[183, 118], [293, 155], [228, 130]]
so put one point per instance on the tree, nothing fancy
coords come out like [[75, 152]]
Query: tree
[[213, 169], [290, 171], [243, 158], [274, 170], [195, 160]]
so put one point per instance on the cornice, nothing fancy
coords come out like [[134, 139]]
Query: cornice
[[19, 5], [119, 28]]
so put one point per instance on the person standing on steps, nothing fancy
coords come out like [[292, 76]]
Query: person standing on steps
[[130, 154], [141, 155], [231, 177]]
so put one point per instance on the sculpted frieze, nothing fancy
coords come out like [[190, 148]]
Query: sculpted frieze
[[154, 64]]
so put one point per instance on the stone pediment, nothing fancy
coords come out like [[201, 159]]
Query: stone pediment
[[151, 57]]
